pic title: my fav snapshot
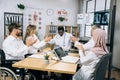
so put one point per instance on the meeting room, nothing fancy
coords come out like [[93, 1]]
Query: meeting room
[[59, 40]]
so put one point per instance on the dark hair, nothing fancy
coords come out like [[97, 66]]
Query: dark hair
[[13, 26], [60, 28]]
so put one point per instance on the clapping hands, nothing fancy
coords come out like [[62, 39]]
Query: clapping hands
[[47, 38], [73, 38], [30, 41]]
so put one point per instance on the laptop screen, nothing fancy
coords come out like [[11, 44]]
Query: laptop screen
[[59, 52]]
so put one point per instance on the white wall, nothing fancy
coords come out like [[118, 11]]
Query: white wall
[[11, 6], [116, 45]]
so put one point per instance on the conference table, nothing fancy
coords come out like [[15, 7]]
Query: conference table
[[53, 66]]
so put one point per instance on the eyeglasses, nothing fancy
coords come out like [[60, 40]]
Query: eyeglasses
[[19, 29]]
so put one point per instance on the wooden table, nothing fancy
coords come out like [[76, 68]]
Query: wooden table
[[53, 66]]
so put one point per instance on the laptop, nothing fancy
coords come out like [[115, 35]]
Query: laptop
[[62, 56]]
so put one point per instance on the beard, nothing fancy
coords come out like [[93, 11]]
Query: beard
[[18, 34]]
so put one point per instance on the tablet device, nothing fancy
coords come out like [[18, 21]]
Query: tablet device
[[59, 53]]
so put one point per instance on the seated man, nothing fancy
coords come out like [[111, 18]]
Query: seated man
[[62, 39], [13, 46]]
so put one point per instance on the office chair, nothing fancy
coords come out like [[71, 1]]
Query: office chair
[[101, 67]]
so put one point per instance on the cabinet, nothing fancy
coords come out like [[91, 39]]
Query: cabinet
[[12, 18], [51, 30]]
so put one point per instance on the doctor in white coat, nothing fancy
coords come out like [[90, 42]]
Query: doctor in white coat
[[87, 46], [90, 58], [30, 34], [62, 39], [13, 46]]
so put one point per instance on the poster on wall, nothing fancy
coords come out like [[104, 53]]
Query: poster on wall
[[34, 17], [80, 19], [101, 18], [62, 16], [89, 17]]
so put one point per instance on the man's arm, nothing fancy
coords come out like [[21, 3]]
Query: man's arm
[[13, 51]]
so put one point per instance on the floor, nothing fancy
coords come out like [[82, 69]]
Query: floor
[[115, 74]]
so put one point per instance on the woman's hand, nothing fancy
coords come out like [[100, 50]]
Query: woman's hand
[[30, 41], [47, 38], [80, 47]]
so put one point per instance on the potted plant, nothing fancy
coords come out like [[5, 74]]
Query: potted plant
[[61, 19], [46, 57], [21, 6]]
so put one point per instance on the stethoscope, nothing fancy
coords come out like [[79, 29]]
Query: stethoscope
[[64, 40], [64, 35]]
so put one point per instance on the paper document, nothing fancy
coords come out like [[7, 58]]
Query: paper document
[[70, 59], [37, 56]]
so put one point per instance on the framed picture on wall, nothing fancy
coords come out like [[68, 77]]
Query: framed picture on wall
[[101, 18], [12, 18]]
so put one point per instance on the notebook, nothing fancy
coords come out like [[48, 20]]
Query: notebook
[[62, 56]]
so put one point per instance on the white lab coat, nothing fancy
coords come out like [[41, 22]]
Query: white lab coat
[[62, 41], [14, 48], [87, 46], [34, 48], [90, 44], [88, 66]]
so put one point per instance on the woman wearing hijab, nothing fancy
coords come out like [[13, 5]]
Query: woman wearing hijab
[[91, 57], [87, 46]]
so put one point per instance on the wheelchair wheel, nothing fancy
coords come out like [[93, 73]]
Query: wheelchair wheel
[[7, 74], [30, 76]]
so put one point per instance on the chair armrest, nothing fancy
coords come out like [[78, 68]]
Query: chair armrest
[[27, 55], [11, 61]]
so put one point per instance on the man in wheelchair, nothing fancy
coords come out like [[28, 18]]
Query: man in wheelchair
[[13, 47]]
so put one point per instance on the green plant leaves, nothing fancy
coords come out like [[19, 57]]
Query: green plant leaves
[[20, 6], [61, 19]]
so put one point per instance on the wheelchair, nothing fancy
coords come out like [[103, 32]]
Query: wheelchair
[[7, 74], [7, 71]]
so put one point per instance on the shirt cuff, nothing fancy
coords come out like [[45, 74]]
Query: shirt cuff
[[77, 43], [43, 42], [81, 53]]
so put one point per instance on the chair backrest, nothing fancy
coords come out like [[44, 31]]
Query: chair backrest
[[2, 57], [100, 71], [7, 63]]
